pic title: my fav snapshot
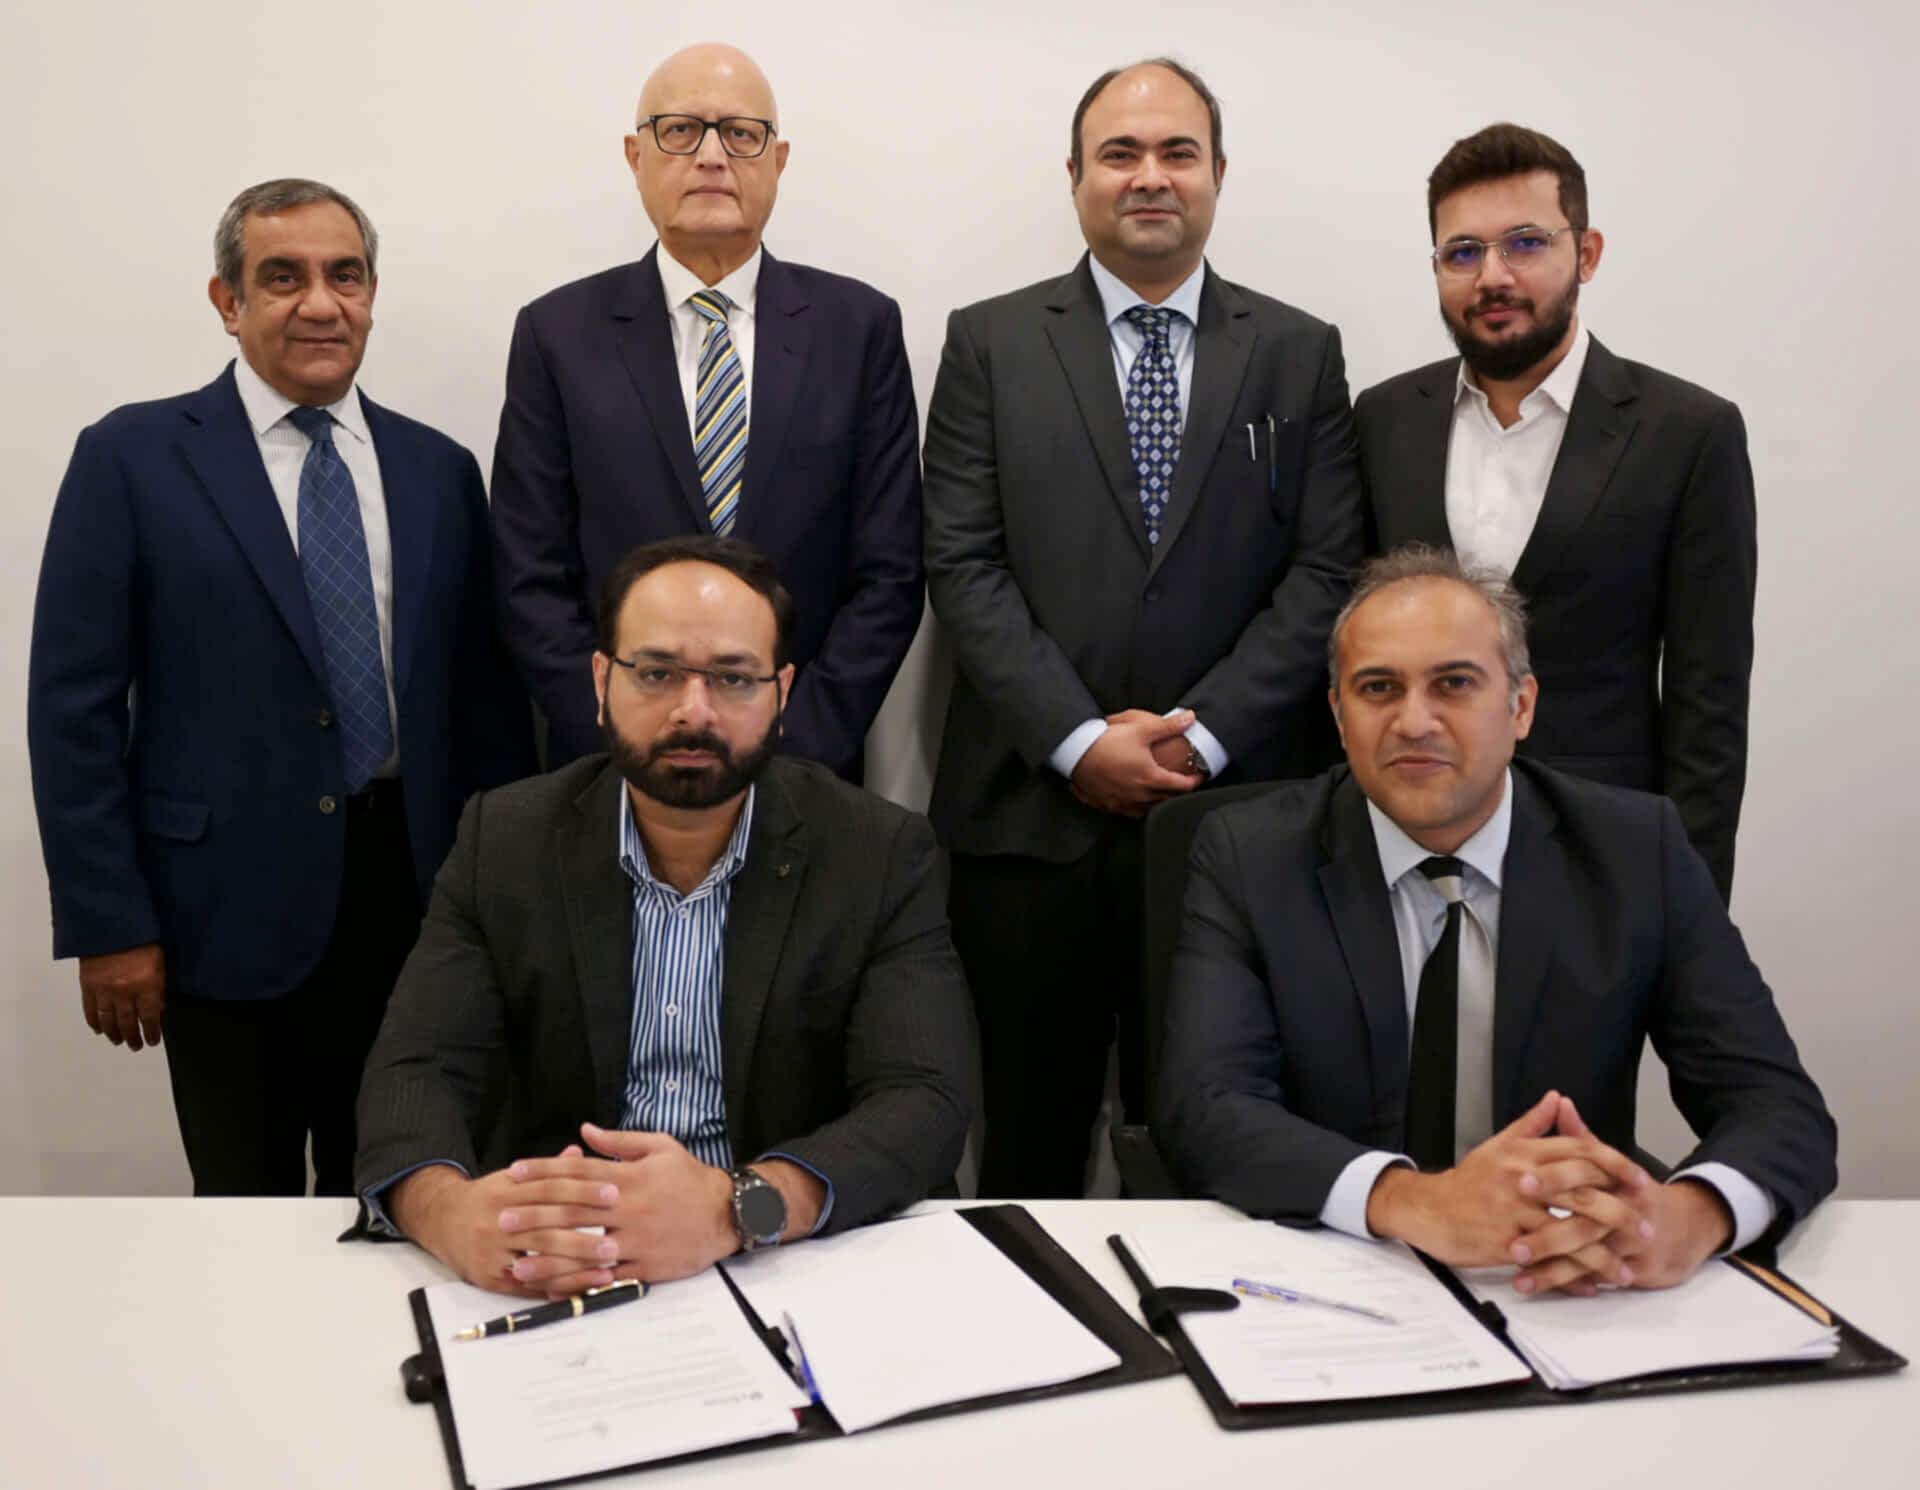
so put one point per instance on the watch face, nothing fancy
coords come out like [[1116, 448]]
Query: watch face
[[762, 1211]]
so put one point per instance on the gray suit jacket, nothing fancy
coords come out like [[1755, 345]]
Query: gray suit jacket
[[844, 1027], [1287, 1033], [1058, 608], [1639, 577]]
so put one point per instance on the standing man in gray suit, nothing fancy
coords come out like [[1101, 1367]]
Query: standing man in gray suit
[[725, 973], [1619, 498], [1142, 502]]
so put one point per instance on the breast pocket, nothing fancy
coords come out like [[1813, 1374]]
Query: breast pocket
[[1285, 470]]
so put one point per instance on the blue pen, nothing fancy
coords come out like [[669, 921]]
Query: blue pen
[[800, 1353], [1282, 1295]]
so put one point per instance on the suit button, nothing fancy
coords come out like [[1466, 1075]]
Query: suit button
[[328, 804], [1153, 594], [324, 719]]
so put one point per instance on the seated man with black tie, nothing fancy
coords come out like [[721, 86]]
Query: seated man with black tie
[[1411, 996], [727, 969]]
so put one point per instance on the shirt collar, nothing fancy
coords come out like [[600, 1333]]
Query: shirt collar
[[266, 405], [1557, 388], [633, 853], [1116, 299], [1486, 851], [682, 284]]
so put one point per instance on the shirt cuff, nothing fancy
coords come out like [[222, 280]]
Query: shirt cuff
[[1346, 1207], [1066, 755], [826, 1206], [1753, 1209], [377, 1217], [1211, 750]]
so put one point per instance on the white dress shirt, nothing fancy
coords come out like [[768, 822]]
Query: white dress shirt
[[1497, 478], [690, 327], [1116, 299], [283, 450], [1419, 917]]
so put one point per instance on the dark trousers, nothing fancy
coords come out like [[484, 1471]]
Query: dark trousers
[[1053, 958], [253, 1078]]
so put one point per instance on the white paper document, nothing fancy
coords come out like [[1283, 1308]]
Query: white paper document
[[915, 1313], [1718, 1317], [678, 1370], [1267, 1351]]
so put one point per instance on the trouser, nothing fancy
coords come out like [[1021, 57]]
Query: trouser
[[1053, 958], [253, 1079]]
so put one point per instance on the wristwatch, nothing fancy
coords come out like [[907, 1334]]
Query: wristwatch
[[759, 1210], [1197, 763]]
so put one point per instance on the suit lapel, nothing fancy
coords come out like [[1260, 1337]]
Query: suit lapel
[[599, 903], [1418, 488], [413, 517], [1597, 429], [764, 893], [225, 456], [1356, 894], [1533, 894], [1222, 348], [782, 334], [1077, 327], [645, 340]]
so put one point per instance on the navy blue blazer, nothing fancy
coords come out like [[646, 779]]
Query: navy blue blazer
[[186, 768], [595, 458]]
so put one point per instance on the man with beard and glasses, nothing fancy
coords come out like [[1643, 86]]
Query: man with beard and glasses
[[1619, 498], [679, 999]]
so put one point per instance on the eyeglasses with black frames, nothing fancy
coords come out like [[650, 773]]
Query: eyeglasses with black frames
[[683, 134], [656, 681]]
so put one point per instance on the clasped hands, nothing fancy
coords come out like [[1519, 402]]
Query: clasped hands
[[1620, 1226], [1139, 761], [660, 1212]]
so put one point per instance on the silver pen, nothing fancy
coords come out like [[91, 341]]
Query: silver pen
[[1282, 1295]]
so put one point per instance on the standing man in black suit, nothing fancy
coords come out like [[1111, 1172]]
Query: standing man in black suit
[[264, 679], [1445, 957], [711, 387], [1142, 504], [1619, 498]]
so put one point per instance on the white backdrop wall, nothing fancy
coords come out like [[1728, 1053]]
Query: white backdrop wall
[[1751, 164]]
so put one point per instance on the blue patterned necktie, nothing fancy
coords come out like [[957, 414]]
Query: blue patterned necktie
[[1153, 414], [719, 413], [333, 560]]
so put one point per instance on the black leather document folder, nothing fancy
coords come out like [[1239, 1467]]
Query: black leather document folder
[[1163, 1308], [1008, 1227]]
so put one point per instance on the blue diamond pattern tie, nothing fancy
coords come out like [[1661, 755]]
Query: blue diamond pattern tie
[[333, 560], [719, 413], [1153, 414]]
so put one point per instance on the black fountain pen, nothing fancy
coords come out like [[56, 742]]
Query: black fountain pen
[[624, 1292]]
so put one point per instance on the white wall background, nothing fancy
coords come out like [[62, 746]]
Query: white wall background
[[1750, 162]]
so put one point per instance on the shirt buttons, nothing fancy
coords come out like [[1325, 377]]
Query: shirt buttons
[[672, 1086], [673, 1011]]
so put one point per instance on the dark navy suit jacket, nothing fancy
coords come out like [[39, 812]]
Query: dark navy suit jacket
[[595, 458], [186, 766]]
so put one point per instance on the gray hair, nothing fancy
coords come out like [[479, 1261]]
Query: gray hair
[[230, 238], [1424, 561]]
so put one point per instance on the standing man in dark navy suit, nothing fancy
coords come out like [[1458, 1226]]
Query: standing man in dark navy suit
[[710, 387], [264, 680]]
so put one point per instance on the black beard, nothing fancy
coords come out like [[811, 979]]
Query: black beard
[[690, 786], [1504, 360]]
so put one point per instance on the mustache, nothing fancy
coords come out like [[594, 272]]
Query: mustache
[[689, 740], [1159, 201], [1498, 300]]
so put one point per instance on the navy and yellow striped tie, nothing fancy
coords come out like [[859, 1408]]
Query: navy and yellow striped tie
[[719, 413]]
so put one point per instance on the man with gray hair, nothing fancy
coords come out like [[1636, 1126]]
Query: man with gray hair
[[264, 679], [1411, 997]]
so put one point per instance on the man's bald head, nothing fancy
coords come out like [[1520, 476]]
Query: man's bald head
[[709, 207]]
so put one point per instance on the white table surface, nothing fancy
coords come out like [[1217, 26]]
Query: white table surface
[[172, 1344]]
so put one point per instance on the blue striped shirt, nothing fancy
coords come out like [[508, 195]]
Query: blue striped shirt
[[674, 1078]]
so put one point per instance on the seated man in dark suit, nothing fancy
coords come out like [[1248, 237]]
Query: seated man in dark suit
[[1443, 957], [728, 969]]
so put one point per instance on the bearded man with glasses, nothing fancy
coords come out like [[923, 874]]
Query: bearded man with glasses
[[687, 995], [1617, 497], [663, 397]]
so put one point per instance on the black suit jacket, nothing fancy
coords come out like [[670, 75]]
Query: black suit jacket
[[595, 458], [1287, 1031], [1040, 571], [844, 1032], [1639, 577]]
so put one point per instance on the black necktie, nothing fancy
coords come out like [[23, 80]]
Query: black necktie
[[1431, 1072]]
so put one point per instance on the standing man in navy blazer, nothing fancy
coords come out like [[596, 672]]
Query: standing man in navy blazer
[[264, 680], [711, 387]]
